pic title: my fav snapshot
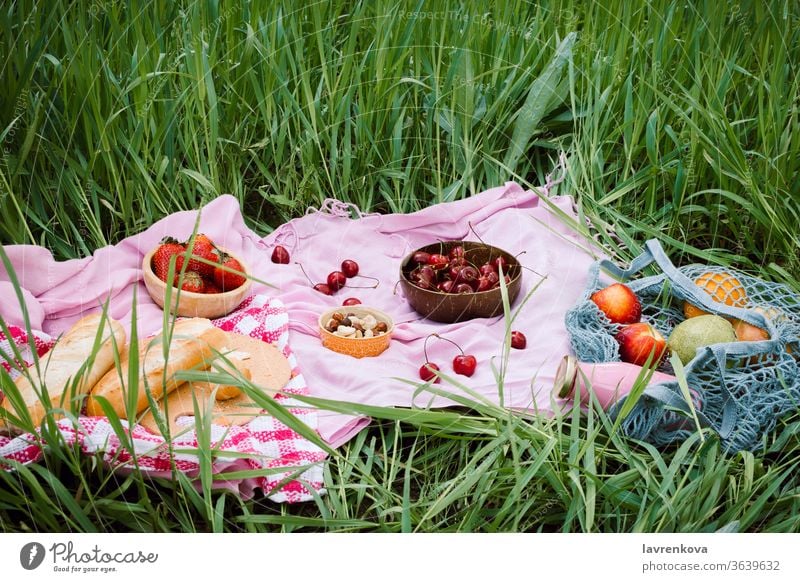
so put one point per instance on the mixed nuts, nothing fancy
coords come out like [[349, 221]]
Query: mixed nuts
[[350, 325]]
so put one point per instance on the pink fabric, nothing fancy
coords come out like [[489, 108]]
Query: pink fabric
[[264, 443], [506, 216]]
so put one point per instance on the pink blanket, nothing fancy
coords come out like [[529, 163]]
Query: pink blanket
[[58, 293]]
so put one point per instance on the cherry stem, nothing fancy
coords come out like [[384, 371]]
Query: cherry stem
[[304, 272], [451, 341], [475, 233], [425, 347], [377, 282], [394, 291], [375, 286]]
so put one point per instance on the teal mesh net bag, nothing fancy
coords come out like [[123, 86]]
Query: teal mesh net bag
[[738, 389]]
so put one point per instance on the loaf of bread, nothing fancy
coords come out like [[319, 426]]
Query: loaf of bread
[[194, 343], [67, 370], [262, 364], [210, 397]]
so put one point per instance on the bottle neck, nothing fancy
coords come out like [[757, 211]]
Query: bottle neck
[[567, 373]]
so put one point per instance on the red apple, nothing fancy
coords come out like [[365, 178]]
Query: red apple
[[619, 303], [638, 340]]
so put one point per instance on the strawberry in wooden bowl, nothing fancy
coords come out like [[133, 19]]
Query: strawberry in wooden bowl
[[211, 284]]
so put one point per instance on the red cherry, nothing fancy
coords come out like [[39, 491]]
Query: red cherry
[[336, 280], [426, 372], [280, 255], [351, 301], [421, 257], [438, 261], [424, 284], [468, 275], [493, 278], [456, 252], [453, 272], [427, 273], [445, 286], [483, 284], [323, 288], [349, 268], [463, 288], [518, 340], [500, 262], [486, 269], [464, 365]]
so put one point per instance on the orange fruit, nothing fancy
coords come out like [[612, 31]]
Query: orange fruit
[[748, 333], [723, 288]]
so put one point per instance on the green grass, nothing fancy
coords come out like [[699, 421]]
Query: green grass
[[680, 120]]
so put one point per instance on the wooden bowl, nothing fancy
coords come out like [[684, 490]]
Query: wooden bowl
[[454, 307], [208, 305], [356, 347]]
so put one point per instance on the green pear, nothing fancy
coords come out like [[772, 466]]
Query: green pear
[[699, 332]]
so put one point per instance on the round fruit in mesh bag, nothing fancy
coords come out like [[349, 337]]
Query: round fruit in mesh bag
[[722, 287]]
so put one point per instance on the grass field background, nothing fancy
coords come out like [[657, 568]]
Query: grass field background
[[679, 120]]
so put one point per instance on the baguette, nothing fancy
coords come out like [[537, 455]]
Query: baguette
[[181, 401], [194, 342], [61, 366], [260, 363]]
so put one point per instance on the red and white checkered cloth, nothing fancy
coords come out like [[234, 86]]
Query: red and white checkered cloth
[[265, 443]]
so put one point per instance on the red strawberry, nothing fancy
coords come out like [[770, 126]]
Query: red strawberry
[[204, 248], [226, 280], [192, 282], [211, 287], [160, 261]]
